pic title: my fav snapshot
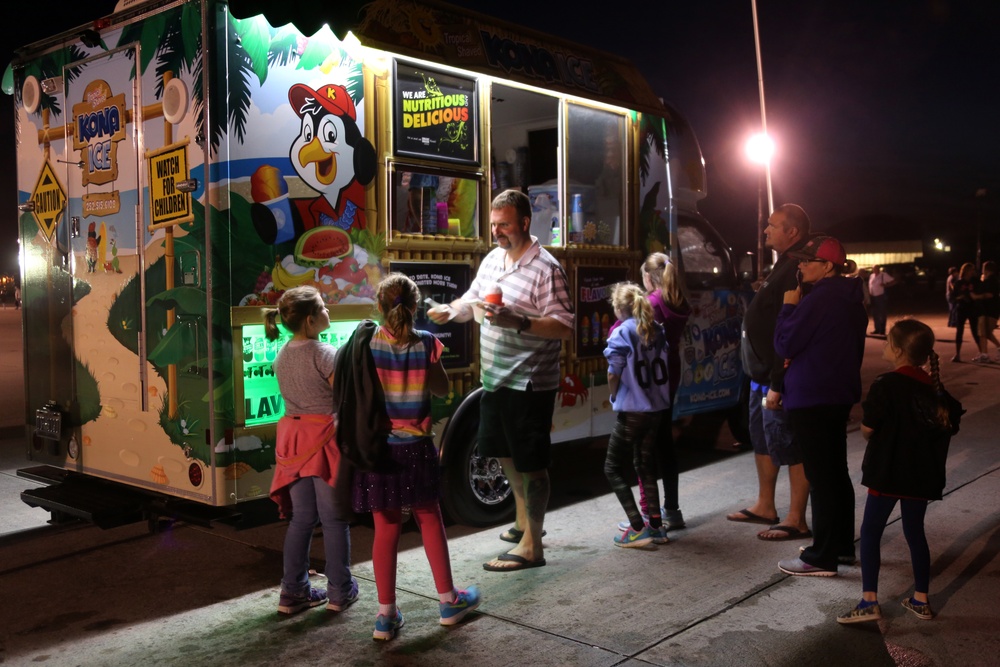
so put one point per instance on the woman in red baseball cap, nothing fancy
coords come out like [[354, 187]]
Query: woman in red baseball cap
[[821, 335]]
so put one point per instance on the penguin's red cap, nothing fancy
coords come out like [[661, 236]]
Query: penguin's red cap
[[332, 97]]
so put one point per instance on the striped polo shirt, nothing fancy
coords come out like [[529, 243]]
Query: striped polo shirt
[[402, 370], [535, 285]]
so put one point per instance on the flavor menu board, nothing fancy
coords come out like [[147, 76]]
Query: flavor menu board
[[435, 115], [262, 402], [442, 283], [594, 314]]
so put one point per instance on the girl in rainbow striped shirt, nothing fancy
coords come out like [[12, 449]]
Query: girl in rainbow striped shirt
[[409, 368]]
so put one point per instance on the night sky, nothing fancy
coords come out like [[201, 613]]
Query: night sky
[[884, 112]]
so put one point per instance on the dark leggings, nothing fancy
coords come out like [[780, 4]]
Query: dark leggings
[[877, 511], [960, 320], [669, 469], [633, 439]]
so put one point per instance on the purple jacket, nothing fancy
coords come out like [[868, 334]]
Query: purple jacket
[[823, 339], [673, 322]]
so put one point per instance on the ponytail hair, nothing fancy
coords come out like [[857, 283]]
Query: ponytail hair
[[629, 298], [295, 306], [397, 297], [916, 340], [665, 280]]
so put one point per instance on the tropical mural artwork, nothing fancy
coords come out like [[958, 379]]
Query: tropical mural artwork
[[127, 306]]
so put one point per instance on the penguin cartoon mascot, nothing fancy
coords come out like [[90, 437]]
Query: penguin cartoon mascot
[[332, 157]]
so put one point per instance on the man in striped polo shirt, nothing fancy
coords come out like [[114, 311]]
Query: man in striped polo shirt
[[519, 368]]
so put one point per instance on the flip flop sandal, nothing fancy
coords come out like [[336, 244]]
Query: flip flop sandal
[[746, 516], [513, 535], [521, 563], [788, 533]]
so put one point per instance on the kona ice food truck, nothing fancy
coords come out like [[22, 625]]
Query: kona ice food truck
[[180, 164]]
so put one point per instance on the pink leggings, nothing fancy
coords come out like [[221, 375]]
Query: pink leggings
[[385, 549]]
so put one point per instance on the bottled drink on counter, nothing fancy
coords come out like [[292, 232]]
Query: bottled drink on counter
[[576, 213], [429, 214], [441, 225]]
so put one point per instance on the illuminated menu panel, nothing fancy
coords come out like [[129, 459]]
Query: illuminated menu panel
[[262, 403]]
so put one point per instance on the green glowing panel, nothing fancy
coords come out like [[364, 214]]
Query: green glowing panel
[[262, 402]]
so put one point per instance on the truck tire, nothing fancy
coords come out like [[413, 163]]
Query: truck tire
[[475, 490]]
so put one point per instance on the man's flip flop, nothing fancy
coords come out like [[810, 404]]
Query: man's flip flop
[[522, 563], [746, 516], [513, 535], [787, 533]]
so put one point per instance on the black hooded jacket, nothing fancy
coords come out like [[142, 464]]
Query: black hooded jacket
[[363, 424], [757, 343]]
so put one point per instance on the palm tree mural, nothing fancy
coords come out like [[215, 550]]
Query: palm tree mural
[[653, 231]]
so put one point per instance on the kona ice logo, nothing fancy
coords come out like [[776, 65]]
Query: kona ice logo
[[539, 62], [98, 125]]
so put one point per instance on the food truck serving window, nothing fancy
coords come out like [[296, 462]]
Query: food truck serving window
[[441, 203], [596, 175]]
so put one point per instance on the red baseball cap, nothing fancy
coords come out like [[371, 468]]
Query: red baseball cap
[[826, 248], [332, 97]]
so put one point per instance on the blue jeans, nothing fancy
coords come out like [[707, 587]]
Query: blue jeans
[[314, 502]]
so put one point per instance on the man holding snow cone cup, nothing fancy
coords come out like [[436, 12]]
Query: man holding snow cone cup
[[525, 295]]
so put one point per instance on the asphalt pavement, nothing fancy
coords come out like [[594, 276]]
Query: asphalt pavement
[[188, 595]]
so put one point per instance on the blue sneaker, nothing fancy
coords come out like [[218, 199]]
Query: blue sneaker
[[465, 601], [386, 628], [293, 604], [659, 535], [351, 598], [633, 538]]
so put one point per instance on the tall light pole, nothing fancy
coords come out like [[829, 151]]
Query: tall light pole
[[981, 192], [763, 110], [759, 149]]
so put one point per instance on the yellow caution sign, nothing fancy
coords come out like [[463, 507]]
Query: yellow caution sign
[[49, 198], [168, 205]]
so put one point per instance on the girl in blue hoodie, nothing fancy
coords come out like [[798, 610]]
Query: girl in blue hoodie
[[640, 394]]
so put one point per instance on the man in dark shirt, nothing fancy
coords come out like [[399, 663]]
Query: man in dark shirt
[[787, 229]]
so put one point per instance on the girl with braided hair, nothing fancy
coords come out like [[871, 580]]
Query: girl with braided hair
[[639, 381], [908, 421], [408, 365]]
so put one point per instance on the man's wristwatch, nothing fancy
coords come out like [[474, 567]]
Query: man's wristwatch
[[525, 324]]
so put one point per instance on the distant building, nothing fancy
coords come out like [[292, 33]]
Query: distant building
[[870, 253]]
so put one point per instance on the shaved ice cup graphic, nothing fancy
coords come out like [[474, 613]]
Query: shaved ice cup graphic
[[282, 211]]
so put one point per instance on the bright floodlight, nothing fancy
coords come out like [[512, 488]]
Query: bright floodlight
[[760, 148]]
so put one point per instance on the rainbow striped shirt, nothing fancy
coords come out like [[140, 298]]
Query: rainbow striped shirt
[[402, 370]]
